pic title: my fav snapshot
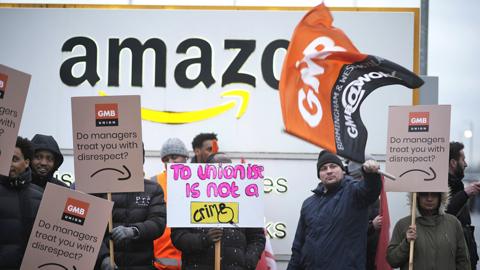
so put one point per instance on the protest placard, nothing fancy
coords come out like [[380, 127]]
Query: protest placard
[[68, 230], [107, 144], [215, 195], [418, 148], [13, 93]]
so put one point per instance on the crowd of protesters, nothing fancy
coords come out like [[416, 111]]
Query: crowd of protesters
[[338, 226]]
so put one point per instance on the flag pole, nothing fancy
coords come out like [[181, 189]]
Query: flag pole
[[110, 227], [387, 175], [412, 243], [384, 173]]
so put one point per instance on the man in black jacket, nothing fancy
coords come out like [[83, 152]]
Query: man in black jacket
[[138, 219], [19, 202], [459, 195], [46, 160]]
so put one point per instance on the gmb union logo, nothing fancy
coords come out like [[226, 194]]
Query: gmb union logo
[[418, 121], [3, 84], [75, 211], [106, 115], [309, 72]]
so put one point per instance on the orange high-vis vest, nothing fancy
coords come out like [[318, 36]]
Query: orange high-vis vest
[[166, 255]]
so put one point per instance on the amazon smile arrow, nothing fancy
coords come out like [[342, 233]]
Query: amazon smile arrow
[[199, 115]]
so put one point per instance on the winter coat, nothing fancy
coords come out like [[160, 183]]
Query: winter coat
[[458, 206], [44, 142], [145, 211], [241, 248], [439, 245], [332, 230], [18, 209]]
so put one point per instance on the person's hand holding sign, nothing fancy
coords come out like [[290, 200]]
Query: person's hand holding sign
[[411, 233], [214, 235]]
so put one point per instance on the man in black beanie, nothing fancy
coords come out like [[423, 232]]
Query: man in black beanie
[[331, 232]]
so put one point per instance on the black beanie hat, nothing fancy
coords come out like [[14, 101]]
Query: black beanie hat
[[326, 157]]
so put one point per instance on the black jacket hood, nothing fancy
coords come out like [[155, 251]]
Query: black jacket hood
[[45, 142]]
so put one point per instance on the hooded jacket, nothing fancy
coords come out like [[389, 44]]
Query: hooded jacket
[[439, 245], [332, 230], [19, 202], [44, 142]]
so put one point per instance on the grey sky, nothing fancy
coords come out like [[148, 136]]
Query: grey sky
[[453, 46]]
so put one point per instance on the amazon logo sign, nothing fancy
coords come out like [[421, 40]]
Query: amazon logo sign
[[232, 72]]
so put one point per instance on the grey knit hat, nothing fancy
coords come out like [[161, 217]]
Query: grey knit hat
[[173, 146]]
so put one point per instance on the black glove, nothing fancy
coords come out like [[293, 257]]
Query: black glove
[[122, 233], [214, 235]]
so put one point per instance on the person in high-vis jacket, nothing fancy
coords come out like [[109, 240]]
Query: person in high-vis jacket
[[166, 255]]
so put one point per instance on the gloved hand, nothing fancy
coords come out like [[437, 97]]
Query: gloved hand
[[122, 233], [106, 264], [214, 235]]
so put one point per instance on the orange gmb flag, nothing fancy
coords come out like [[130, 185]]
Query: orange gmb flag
[[325, 80]]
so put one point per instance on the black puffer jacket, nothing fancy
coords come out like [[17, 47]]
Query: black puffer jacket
[[19, 202], [241, 248], [44, 142], [146, 211]]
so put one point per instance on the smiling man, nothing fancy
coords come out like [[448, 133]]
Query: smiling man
[[46, 160], [331, 232]]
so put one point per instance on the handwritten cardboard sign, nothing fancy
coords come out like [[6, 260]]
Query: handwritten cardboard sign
[[68, 230], [215, 195], [13, 93], [107, 144], [418, 148]]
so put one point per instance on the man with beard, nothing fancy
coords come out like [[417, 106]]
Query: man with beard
[[47, 158], [19, 202], [331, 231], [204, 144], [459, 196]]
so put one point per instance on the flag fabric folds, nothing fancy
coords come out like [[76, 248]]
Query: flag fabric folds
[[267, 261], [324, 82]]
